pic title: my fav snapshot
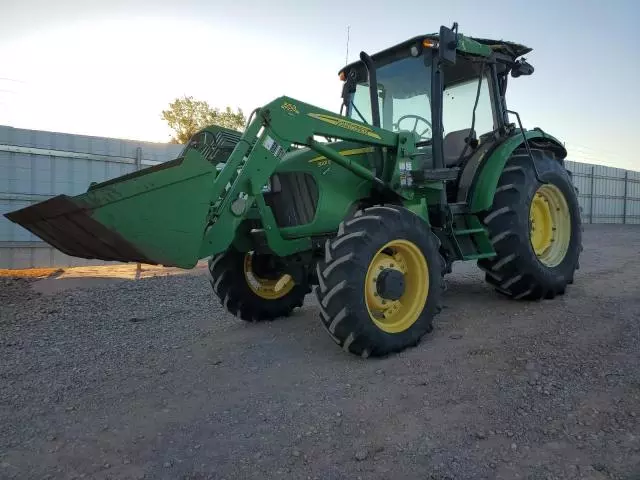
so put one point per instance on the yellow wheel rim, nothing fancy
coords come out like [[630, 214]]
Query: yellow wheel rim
[[395, 316], [263, 287], [550, 222]]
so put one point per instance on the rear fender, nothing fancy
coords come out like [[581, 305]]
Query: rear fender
[[488, 173]]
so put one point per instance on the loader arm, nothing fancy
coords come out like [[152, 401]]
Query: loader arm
[[278, 126], [184, 210]]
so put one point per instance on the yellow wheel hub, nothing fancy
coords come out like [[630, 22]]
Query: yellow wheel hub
[[395, 316], [263, 287], [550, 222]]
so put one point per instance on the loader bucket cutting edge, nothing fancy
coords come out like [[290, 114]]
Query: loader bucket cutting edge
[[155, 216], [70, 228]]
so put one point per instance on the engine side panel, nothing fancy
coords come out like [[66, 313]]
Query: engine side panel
[[311, 195]]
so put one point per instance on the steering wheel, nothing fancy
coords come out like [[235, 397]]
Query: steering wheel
[[417, 118]]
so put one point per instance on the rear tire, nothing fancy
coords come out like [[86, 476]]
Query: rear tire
[[230, 275], [357, 316], [535, 259]]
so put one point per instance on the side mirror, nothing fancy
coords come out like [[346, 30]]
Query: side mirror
[[520, 68], [348, 88], [448, 44]]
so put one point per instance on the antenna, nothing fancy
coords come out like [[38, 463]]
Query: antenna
[[346, 60]]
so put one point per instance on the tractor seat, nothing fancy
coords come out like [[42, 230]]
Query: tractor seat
[[453, 144]]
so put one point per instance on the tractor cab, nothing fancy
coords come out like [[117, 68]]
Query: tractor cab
[[447, 89]]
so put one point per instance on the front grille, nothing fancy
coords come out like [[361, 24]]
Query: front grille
[[294, 198]]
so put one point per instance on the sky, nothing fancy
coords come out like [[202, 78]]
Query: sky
[[109, 67]]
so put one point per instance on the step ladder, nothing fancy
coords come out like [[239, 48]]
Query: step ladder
[[470, 238]]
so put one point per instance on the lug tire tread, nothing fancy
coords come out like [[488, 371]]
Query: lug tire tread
[[226, 275], [515, 271], [340, 294]]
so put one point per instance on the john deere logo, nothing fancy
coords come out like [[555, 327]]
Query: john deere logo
[[290, 108], [339, 122]]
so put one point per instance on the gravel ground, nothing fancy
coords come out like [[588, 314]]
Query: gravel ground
[[150, 379]]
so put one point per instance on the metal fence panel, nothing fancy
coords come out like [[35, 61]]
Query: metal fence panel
[[607, 194], [581, 174], [633, 197]]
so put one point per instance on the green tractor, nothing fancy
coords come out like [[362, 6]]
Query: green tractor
[[421, 168]]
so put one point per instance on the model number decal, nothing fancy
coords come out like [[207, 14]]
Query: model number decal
[[290, 108], [321, 161]]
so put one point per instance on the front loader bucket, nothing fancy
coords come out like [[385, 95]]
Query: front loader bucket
[[156, 215]]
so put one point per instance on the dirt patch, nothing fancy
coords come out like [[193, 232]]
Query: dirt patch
[[30, 273], [96, 276]]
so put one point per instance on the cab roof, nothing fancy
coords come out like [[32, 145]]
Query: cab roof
[[482, 47]]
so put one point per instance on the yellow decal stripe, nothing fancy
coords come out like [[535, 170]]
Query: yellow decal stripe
[[342, 123], [346, 153]]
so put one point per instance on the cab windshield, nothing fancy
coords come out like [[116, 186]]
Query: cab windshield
[[404, 89]]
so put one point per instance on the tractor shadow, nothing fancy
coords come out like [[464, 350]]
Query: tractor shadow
[[469, 307]]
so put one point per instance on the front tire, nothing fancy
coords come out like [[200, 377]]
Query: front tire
[[535, 229], [254, 296], [380, 282]]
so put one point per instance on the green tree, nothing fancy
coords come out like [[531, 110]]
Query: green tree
[[187, 116]]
